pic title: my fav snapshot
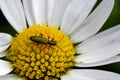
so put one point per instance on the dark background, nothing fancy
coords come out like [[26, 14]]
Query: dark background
[[113, 20]]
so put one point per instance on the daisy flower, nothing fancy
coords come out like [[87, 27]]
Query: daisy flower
[[55, 37]]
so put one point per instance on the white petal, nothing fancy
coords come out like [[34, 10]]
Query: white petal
[[5, 67], [13, 11], [103, 39], [56, 9], [4, 43], [11, 77], [76, 12], [40, 11], [94, 21], [75, 76], [4, 47], [99, 55], [96, 74], [29, 11], [4, 39], [104, 62], [2, 54]]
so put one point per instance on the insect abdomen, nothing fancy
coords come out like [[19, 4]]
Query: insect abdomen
[[38, 39]]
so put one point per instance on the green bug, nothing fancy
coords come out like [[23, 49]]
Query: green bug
[[39, 39]]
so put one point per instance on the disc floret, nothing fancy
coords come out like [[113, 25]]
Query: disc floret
[[41, 60]]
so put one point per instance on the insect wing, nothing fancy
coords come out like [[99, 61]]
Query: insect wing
[[38, 39]]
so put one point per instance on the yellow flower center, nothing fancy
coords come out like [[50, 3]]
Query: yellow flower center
[[41, 52]]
